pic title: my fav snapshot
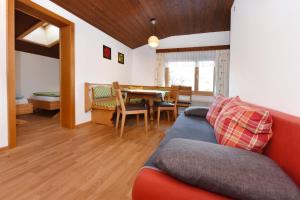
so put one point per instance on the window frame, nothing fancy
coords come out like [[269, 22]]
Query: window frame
[[196, 80]]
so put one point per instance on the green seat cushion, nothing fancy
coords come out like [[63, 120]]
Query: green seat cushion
[[113, 92], [137, 100], [47, 94], [101, 92], [135, 87], [105, 105], [163, 89]]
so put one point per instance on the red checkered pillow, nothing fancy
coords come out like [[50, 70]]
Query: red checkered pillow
[[216, 108], [243, 126]]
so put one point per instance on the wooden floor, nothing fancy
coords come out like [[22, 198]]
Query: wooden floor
[[89, 162]]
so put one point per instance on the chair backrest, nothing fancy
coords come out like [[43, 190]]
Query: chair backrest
[[119, 97], [185, 91], [174, 93]]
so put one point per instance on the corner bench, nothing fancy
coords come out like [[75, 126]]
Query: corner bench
[[100, 100]]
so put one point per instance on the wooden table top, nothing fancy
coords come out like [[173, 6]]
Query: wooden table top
[[145, 92]]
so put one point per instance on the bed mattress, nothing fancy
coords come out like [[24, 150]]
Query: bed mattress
[[45, 98]]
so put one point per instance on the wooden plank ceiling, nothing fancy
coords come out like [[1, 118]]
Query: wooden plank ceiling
[[129, 20], [22, 23]]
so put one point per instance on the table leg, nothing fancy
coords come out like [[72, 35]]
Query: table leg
[[151, 112]]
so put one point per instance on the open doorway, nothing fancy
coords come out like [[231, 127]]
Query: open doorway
[[66, 104], [37, 71]]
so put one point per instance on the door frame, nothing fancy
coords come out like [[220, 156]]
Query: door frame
[[67, 63]]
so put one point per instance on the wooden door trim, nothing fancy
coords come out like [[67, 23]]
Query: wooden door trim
[[67, 75], [11, 77]]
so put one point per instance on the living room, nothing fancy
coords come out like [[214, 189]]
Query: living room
[[205, 58]]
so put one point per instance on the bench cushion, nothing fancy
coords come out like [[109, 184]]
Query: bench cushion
[[102, 92], [216, 108], [105, 105], [196, 111], [188, 127], [229, 171], [136, 100], [243, 126]]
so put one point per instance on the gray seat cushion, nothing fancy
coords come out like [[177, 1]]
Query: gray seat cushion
[[188, 127], [196, 111], [184, 102], [135, 107], [163, 104], [232, 172]]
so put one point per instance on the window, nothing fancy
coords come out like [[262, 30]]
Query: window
[[198, 75], [182, 73], [206, 76], [42, 33]]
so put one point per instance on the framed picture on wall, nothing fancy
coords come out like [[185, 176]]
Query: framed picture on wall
[[121, 58], [106, 52]]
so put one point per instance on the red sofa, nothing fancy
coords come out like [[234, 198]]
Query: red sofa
[[284, 149]]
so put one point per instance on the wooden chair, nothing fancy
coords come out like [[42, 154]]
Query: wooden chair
[[128, 110], [186, 92], [168, 105]]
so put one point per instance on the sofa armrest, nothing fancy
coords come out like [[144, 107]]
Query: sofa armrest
[[153, 184]]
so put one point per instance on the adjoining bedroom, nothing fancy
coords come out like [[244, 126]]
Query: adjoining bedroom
[[37, 72]]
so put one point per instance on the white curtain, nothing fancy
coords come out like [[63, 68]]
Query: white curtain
[[222, 73], [190, 56], [162, 60], [159, 70]]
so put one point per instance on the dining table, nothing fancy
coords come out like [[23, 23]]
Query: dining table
[[149, 95]]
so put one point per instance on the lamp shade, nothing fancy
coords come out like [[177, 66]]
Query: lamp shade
[[153, 41]]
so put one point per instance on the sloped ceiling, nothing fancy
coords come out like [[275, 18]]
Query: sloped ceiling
[[129, 20]]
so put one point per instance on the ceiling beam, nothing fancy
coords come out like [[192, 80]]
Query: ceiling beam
[[186, 49]]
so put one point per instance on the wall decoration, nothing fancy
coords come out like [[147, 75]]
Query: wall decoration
[[121, 58], [106, 52]]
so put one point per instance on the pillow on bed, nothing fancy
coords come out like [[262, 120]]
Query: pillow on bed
[[19, 97], [47, 94], [232, 172]]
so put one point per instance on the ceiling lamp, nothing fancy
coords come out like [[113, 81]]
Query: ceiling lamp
[[153, 40]]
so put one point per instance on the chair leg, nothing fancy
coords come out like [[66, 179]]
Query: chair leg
[[137, 119], [168, 116], [146, 122], [158, 116], [122, 124], [118, 118], [175, 114]]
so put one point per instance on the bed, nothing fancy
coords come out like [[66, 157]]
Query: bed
[[23, 107], [45, 100]]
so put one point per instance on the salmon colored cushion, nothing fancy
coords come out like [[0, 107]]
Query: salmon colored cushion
[[243, 126], [216, 108]]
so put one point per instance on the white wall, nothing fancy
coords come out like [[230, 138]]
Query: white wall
[[196, 40], [144, 57], [35, 73], [143, 66], [3, 81], [89, 64], [265, 55]]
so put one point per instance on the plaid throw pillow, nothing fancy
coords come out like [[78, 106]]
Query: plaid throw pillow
[[101, 92], [243, 126], [216, 108]]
